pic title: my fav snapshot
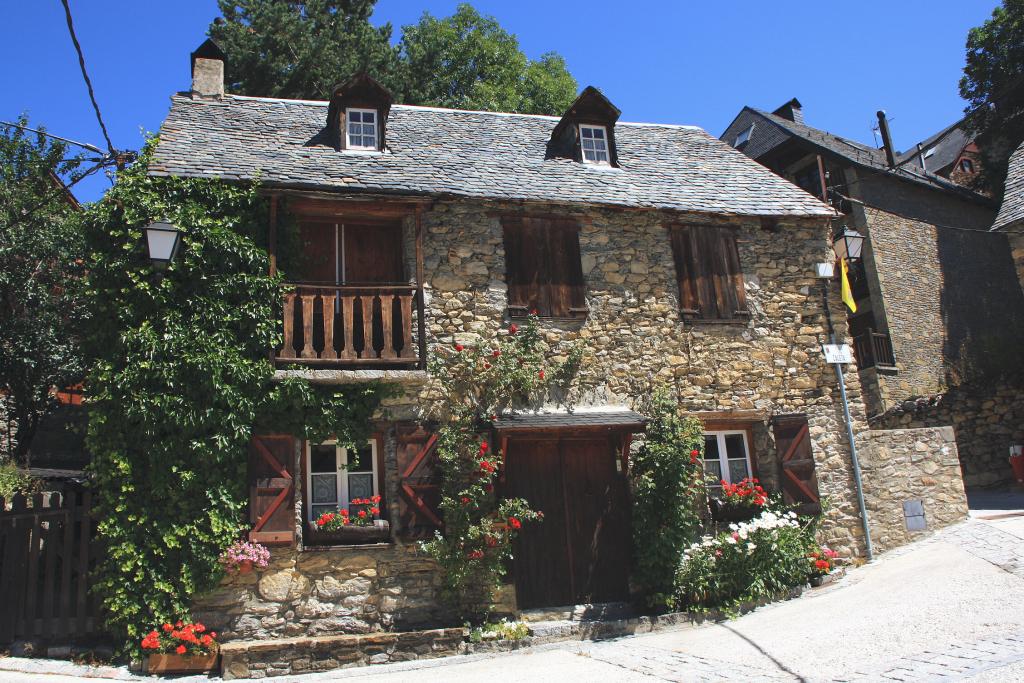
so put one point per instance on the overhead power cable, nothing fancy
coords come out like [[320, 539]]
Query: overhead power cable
[[83, 145], [85, 75]]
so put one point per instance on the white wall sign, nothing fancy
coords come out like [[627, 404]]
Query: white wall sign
[[837, 353]]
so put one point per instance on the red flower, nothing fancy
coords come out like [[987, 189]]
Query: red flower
[[374, 511], [496, 353], [180, 649], [533, 311], [488, 487], [483, 447], [375, 499], [821, 564], [694, 454], [344, 513], [362, 514], [200, 628], [513, 328], [475, 554], [206, 640], [487, 366], [459, 347], [465, 500], [540, 374], [514, 523], [491, 541], [167, 628]]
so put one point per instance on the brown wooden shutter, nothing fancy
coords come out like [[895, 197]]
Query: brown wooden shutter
[[419, 485], [272, 489], [684, 251], [524, 266], [796, 462], [566, 290], [729, 275]]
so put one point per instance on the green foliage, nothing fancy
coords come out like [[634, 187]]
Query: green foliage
[[753, 560], [180, 381], [40, 265], [499, 630], [468, 61], [15, 480], [993, 85], [474, 385], [668, 494], [303, 49]]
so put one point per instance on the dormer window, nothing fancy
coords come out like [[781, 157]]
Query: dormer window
[[743, 136], [362, 129], [594, 144]]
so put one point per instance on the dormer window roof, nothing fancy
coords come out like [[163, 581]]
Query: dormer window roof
[[743, 137], [357, 114], [586, 132]]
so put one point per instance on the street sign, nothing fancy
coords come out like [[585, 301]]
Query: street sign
[[837, 353]]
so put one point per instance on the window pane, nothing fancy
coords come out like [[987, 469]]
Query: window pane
[[322, 458], [360, 485], [587, 132], [368, 129], [361, 460], [369, 116], [713, 468], [317, 510], [601, 155], [599, 133], [734, 446], [355, 116], [737, 470], [588, 144], [325, 488], [711, 447]]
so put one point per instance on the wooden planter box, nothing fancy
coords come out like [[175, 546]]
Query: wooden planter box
[[721, 512], [181, 664], [350, 535]]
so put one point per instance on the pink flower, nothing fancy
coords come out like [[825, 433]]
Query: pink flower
[[459, 347]]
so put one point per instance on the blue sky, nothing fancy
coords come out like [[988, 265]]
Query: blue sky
[[671, 62]]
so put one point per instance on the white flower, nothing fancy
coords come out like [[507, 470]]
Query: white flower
[[731, 540], [733, 526]]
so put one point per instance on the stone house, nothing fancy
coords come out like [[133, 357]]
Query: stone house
[[1010, 219], [939, 318], [673, 258]]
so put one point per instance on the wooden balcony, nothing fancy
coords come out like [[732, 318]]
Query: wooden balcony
[[874, 350], [365, 326]]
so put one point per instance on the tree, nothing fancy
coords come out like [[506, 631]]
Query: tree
[[40, 264], [993, 84], [301, 50], [469, 61]]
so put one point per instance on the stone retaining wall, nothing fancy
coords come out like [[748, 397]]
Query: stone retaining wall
[[901, 465], [347, 589], [987, 421]]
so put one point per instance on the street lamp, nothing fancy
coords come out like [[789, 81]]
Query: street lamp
[[848, 244], [162, 239]]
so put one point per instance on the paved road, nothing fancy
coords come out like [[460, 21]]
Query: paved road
[[947, 608]]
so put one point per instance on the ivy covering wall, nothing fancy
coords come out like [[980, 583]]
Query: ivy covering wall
[[181, 379]]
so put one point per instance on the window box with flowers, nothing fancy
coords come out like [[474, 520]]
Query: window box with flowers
[[738, 502], [357, 524], [180, 648]]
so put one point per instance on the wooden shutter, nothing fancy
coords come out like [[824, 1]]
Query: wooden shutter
[[272, 489], [419, 485], [708, 271], [524, 266], [796, 463], [566, 291]]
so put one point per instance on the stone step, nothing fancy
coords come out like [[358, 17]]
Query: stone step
[[577, 613]]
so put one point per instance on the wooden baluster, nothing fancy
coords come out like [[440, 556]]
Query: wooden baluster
[[64, 625], [288, 351], [387, 318], [407, 350], [84, 547], [32, 586], [348, 327], [368, 350], [50, 571], [307, 326], [327, 300]]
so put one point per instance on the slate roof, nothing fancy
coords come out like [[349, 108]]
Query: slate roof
[[948, 143], [1011, 211], [766, 137], [577, 420], [444, 152]]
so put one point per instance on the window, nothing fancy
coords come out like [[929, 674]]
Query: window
[[726, 457], [743, 136], [542, 267], [362, 128], [709, 275], [335, 475], [929, 153], [967, 166], [594, 144]]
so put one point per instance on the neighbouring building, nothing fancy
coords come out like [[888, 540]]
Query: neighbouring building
[[671, 256], [951, 153], [1010, 219], [939, 314]]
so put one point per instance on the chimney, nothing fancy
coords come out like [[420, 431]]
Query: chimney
[[792, 110], [208, 71], [883, 129]]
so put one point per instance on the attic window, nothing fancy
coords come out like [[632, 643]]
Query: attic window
[[362, 129], [743, 136], [929, 153], [594, 144]]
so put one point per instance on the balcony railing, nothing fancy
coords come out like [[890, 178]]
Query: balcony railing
[[874, 350], [348, 325]]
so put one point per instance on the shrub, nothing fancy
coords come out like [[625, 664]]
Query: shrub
[[669, 496], [752, 560], [14, 480]]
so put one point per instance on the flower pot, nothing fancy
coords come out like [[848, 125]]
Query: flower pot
[[817, 581], [724, 512], [245, 566], [1017, 464], [181, 664], [353, 534]]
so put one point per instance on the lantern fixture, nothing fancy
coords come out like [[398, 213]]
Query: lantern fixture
[[162, 239], [848, 244]]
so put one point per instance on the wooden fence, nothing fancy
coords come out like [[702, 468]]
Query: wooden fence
[[47, 550]]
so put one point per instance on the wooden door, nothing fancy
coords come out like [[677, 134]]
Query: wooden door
[[580, 552], [373, 253]]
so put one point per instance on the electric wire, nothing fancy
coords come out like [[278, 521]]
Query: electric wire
[[85, 75]]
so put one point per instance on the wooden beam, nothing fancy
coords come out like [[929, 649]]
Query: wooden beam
[[272, 235], [308, 207], [421, 327]]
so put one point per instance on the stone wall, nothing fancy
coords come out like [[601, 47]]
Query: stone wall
[[987, 420], [1016, 238], [903, 465], [347, 589]]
